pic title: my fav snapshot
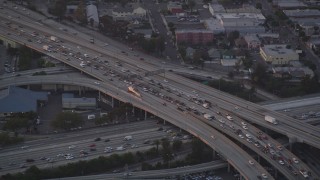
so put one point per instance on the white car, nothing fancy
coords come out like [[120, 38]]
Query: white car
[[244, 127], [96, 82], [69, 157], [249, 140], [243, 123], [281, 162], [264, 176], [251, 162], [295, 160], [165, 81], [249, 136], [240, 135], [72, 146]]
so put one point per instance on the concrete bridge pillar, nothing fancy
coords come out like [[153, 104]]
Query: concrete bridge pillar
[[79, 90], [258, 159], [112, 102], [229, 168], [164, 122], [214, 154], [276, 174], [291, 141], [145, 115], [99, 96], [133, 112]]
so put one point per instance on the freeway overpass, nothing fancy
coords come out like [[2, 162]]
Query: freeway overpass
[[153, 174], [249, 111]]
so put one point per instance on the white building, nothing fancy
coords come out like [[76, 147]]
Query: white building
[[278, 54], [214, 25], [216, 8], [129, 12], [253, 41], [245, 23], [92, 15]]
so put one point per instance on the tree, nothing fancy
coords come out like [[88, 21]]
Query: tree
[[91, 22], [81, 14], [67, 120], [247, 62], [16, 123], [170, 24], [232, 36], [157, 143], [259, 74], [191, 5], [60, 8], [259, 6], [176, 145], [25, 58]]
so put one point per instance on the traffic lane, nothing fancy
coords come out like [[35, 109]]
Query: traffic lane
[[53, 151]]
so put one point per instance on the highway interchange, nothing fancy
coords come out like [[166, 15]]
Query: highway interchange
[[180, 89]]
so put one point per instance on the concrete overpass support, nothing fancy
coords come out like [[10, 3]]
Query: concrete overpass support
[[258, 159], [291, 141], [229, 167], [112, 102], [214, 154], [164, 122], [99, 96], [79, 90], [145, 115], [276, 174]]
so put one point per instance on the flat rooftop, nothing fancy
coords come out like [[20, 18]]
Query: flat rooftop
[[277, 49]]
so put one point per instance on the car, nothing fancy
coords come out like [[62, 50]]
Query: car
[[281, 162], [165, 81], [106, 140], [251, 162], [147, 141], [96, 82], [69, 157], [92, 145], [29, 160], [244, 127], [295, 160], [248, 136], [240, 135], [24, 147], [22, 166], [97, 139], [134, 146], [93, 149], [243, 123], [264, 176], [72, 146], [249, 140], [280, 147]]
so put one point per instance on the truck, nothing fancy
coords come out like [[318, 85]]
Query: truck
[[127, 138], [46, 47], [53, 38], [134, 91], [270, 119]]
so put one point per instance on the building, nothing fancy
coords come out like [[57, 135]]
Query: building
[[244, 9], [194, 36], [297, 73], [215, 8], [92, 15], [16, 99], [289, 4], [175, 7], [214, 25], [278, 54], [70, 102], [253, 41], [229, 58], [302, 13], [214, 54], [245, 23], [129, 12]]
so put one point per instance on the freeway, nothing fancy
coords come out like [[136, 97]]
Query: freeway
[[249, 111], [45, 152], [237, 157], [311, 135], [157, 173]]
